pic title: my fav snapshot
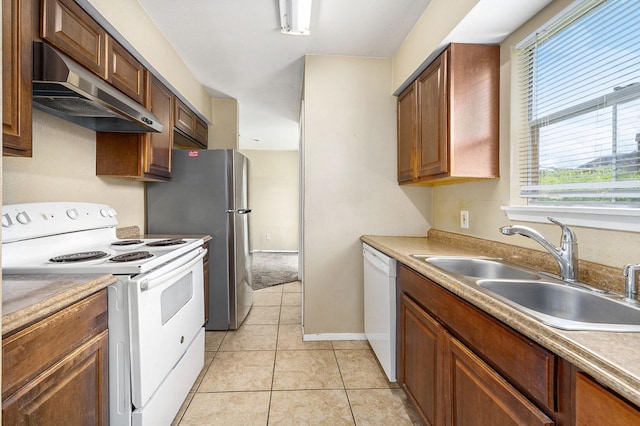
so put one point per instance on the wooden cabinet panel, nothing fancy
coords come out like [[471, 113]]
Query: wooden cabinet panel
[[432, 121], [478, 395], [56, 370], [202, 132], [74, 391], [17, 59], [144, 156], [158, 163], [125, 72], [185, 119], [407, 134], [73, 31], [595, 405], [484, 335], [419, 365]]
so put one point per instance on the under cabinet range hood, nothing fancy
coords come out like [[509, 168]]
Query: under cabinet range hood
[[64, 88]]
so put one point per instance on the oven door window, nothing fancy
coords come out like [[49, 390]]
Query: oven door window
[[175, 297]]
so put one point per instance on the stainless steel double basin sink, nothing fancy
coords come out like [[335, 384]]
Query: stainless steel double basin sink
[[560, 304]]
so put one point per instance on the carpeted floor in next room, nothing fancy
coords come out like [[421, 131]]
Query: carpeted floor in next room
[[273, 268]]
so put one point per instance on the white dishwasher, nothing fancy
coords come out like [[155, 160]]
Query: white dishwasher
[[380, 307]]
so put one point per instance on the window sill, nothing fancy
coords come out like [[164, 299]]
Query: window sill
[[590, 217]]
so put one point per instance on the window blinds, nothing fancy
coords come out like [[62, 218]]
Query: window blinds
[[579, 82]]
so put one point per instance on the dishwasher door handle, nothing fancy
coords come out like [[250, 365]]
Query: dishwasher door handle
[[376, 262]]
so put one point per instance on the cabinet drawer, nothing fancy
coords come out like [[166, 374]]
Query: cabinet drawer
[[71, 29], [28, 352], [501, 347]]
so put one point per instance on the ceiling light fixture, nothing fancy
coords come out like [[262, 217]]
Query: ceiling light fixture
[[295, 17]]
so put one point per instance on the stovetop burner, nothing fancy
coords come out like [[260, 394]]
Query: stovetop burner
[[124, 243], [131, 257], [79, 257], [165, 243]]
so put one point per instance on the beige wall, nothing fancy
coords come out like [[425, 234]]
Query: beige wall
[[350, 185], [223, 132], [483, 199], [435, 24], [273, 198], [63, 168]]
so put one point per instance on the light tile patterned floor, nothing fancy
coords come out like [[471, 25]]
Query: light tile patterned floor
[[264, 374]]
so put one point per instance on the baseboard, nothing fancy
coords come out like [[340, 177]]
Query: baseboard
[[333, 336]]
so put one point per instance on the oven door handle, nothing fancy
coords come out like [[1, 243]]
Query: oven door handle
[[148, 284]]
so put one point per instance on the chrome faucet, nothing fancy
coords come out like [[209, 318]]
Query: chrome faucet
[[566, 255], [629, 272]]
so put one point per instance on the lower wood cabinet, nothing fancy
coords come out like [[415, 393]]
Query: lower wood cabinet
[[595, 405], [460, 366], [55, 372]]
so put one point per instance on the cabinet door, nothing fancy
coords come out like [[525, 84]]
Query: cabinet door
[[595, 405], [185, 119], [202, 132], [477, 395], [432, 123], [159, 145], [419, 360], [17, 60], [72, 30], [407, 134], [73, 391], [124, 71]]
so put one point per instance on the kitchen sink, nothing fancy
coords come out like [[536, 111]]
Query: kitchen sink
[[479, 267], [567, 306]]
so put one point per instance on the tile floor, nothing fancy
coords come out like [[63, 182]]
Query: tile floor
[[264, 374]]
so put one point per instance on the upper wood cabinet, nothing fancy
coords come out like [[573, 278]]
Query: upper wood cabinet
[[18, 26], [72, 30], [124, 72], [448, 118], [144, 156], [191, 131]]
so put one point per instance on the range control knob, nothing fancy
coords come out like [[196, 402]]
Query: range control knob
[[6, 220], [73, 214], [104, 212], [23, 218]]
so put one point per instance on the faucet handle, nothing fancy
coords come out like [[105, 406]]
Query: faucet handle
[[567, 233]]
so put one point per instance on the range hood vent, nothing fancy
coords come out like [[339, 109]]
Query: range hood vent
[[66, 89]]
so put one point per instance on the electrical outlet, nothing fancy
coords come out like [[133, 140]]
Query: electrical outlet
[[464, 219], [267, 237]]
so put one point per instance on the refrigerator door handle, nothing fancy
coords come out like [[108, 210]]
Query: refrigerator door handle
[[230, 211], [244, 211]]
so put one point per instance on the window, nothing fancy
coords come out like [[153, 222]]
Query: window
[[580, 94]]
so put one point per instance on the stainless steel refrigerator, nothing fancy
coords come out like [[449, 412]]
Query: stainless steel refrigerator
[[208, 194]]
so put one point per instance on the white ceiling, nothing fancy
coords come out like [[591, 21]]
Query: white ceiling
[[235, 48]]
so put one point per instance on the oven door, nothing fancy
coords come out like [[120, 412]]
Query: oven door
[[166, 312]]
